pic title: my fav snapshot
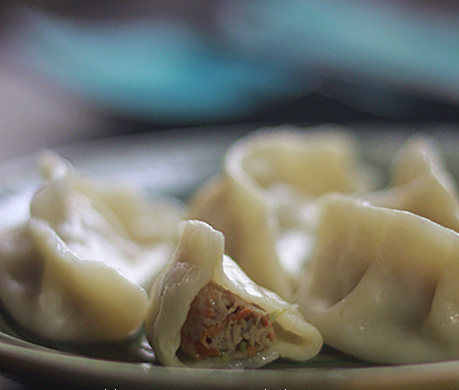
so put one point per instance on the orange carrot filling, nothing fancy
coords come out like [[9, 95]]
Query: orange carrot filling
[[221, 323]]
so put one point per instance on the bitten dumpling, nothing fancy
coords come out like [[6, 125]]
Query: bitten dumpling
[[381, 284], [78, 270], [421, 184], [204, 311], [262, 202]]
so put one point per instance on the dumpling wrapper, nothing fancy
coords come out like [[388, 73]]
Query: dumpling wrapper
[[78, 271], [200, 260], [263, 201], [421, 184], [112, 224], [381, 284], [53, 294]]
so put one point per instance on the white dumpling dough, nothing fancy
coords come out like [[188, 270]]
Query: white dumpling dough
[[263, 201], [381, 284], [421, 184], [53, 294], [199, 261], [78, 270], [112, 224]]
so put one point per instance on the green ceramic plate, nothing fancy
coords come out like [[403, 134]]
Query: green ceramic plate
[[175, 163]]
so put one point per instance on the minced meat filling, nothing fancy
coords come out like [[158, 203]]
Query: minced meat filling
[[220, 323]]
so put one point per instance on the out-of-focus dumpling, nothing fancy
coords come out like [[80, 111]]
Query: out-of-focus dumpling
[[421, 184], [78, 269], [112, 224], [262, 202], [381, 284], [53, 294], [204, 311]]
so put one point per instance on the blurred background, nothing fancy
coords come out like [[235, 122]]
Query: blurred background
[[74, 70]]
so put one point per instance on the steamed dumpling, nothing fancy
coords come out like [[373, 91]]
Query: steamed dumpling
[[421, 184], [53, 294], [78, 270], [263, 200], [381, 284], [204, 311], [112, 224]]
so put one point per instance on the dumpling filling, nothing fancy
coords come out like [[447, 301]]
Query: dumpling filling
[[219, 323]]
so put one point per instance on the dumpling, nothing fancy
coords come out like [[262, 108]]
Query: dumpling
[[262, 202], [421, 184], [111, 224], [55, 295], [204, 311], [381, 284], [78, 270]]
